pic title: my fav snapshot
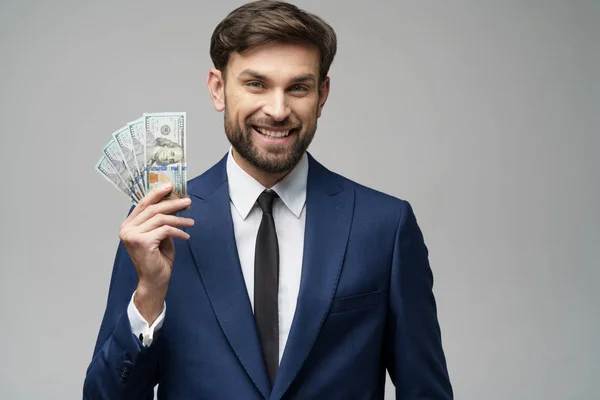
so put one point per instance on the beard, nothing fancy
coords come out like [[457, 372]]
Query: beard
[[277, 158]]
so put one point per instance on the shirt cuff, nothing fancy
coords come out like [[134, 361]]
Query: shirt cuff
[[140, 327]]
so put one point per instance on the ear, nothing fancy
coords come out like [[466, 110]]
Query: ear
[[323, 94], [216, 88]]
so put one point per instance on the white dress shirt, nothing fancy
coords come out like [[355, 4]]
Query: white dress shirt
[[289, 214]]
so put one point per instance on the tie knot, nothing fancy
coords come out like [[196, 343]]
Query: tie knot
[[265, 200]]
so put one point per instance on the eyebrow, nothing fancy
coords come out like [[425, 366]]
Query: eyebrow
[[259, 76]]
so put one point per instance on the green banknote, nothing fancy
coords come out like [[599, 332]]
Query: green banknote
[[146, 153], [165, 155]]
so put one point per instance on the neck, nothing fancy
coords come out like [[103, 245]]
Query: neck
[[266, 179]]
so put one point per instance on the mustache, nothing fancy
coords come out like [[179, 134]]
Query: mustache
[[286, 123]]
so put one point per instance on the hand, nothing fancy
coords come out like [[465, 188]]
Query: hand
[[148, 234]]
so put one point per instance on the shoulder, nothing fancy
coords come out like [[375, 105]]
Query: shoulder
[[376, 196], [375, 204]]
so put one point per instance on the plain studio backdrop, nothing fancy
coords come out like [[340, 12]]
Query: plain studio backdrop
[[483, 114]]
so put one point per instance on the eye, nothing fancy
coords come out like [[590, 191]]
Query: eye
[[299, 89], [255, 85]]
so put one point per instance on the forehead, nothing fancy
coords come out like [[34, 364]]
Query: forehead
[[276, 60]]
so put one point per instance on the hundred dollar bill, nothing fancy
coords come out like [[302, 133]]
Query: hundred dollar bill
[[123, 139], [112, 152], [165, 155], [137, 131], [104, 167]]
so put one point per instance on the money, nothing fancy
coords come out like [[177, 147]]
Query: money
[[137, 131], [123, 139], [104, 166], [113, 153], [146, 153], [165, 157]]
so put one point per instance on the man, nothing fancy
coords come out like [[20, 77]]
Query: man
[[281, 279]]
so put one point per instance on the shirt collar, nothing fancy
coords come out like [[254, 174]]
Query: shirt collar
[[244, 189]]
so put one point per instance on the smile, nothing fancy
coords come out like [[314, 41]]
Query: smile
[[271, 133]]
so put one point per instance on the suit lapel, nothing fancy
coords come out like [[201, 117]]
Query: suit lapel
[[213, 246], [329, 209]]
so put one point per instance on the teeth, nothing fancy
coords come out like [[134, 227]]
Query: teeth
[[273, 134]]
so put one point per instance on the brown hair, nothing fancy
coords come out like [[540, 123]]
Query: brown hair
[[264, 21]]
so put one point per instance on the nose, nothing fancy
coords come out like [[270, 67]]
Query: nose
[[277, 106]]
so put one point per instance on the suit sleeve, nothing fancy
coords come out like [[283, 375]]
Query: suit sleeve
[[121, 366], [414, 355]]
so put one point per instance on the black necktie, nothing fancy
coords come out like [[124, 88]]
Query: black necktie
[[266, 285]]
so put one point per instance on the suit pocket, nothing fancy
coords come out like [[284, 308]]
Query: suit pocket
[[355, 302]]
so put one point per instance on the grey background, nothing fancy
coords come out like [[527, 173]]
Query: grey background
[[484, 115]]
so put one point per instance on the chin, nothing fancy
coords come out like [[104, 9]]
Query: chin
[[274, 163]]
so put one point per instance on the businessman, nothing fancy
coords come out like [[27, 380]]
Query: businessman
[[276, 278]]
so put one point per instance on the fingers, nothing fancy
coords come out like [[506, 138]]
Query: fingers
[[168, 231], [159, 220], [153, 197], [158, 235], [151, 222], [164, 207], [156, 230]]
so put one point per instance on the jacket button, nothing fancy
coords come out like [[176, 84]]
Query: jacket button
[[126, 368]]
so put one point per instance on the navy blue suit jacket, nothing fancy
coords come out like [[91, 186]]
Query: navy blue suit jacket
[[365, 305]]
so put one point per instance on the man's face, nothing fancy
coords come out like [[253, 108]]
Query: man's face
[[169, 155], [272, 102]]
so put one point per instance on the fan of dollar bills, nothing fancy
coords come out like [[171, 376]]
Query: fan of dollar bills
[[146, 153]]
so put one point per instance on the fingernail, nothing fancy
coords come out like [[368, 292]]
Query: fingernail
[[165, 186], [186, 200]]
